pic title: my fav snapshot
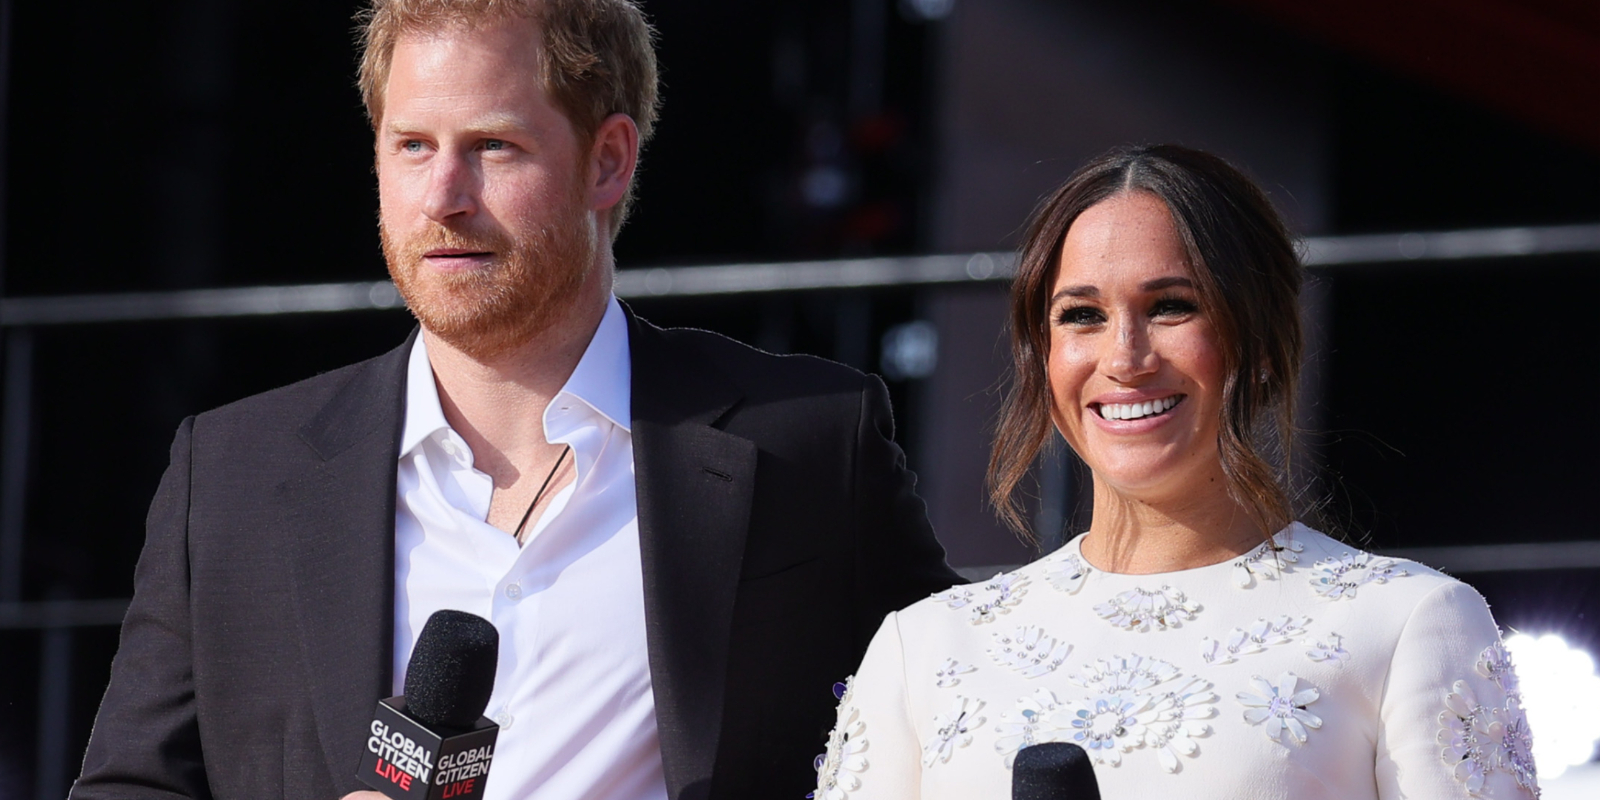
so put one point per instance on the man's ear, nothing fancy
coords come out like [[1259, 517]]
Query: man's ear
[[612, 159]]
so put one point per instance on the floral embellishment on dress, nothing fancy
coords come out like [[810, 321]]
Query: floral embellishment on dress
[[1067, 573], [1029, 651], [951, 730], [998, 595], [1255, 639], [1125, 674], [1473, 737], [1029, 724], [1176, 728], [1268, 560], [845, 756], [1331, 649], [1281, 707], [1138, 609], [1518, 743], [1337, 578], [1108, 725], [1495, 663], [947, 675], [1479, 739], [1126, 710], [836, 768], [956, 597]]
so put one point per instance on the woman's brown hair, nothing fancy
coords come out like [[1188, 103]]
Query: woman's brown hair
[[1247, 278]]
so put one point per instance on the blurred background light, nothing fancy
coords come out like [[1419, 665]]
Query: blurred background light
[[910, 351], [1561, 694]]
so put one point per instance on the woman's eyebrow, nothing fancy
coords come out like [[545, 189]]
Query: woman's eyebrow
[[1075, 291], [1166, 283]]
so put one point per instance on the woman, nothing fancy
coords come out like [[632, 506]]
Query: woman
[[1155, 328]]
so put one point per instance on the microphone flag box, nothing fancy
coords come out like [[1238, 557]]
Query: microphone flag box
[[407, 760]]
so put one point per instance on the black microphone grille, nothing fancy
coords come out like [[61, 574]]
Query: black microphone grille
[[1053, 771], [451, 672]]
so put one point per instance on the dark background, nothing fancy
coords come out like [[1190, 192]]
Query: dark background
[[213, 143]]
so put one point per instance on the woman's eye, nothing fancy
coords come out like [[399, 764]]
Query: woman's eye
[[1173, 307], [1081, 315]]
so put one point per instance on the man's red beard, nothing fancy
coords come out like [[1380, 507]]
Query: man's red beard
[[488, 311]]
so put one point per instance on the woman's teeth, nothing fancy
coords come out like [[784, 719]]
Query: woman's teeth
[[1138, 410]]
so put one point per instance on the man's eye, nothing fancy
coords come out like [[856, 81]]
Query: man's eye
[[1081, 315], [411, 146], [494, 144]]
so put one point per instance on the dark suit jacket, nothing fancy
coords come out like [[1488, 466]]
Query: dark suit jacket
[[776, 518]]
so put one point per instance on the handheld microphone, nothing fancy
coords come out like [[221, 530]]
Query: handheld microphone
[[1053, 771], [433, 742]]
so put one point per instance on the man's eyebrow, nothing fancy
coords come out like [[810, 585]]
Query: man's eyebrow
[[488, 124]]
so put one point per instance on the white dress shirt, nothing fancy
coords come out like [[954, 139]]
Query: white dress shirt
[[572, 693]]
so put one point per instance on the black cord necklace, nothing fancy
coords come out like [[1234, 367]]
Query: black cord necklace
[[517, 534]]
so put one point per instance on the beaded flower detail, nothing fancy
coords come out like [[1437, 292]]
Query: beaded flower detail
[[1067, 573], [1518, 742], [1031, 722], [1267, 561], [984, 601], [1029, 651], [949, 673], [1479, 739], [1281, 707], [838, 767], [1127, 708], [1338, 578], [1254, 639], [1138, 609], [1330, 649], [1494, 663], [1473, 737], [951, 730]]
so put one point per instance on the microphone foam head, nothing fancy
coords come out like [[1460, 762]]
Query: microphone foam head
[[451, 672], [1053, 771]]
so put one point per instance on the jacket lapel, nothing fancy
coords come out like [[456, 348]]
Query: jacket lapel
[[340, 521], [694, 485]]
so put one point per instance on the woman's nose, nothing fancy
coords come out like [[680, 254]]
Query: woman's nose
[[1131, 355]]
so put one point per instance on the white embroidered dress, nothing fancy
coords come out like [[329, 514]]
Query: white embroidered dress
[[1308, 669]]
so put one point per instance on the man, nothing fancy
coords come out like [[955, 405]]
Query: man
[[682, 541]]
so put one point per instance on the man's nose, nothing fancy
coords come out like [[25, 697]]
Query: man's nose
[[452, 189], [1131, 355]]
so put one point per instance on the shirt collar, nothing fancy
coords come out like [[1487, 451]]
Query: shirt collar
[[602, 381], [424, 415]]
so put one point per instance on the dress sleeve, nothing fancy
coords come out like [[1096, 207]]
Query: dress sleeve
[[873, 752], [1450, 724]]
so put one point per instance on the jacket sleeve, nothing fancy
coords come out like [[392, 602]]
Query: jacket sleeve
[[898, 560], [146, 739]]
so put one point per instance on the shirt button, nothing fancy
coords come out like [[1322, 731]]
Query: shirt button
[[514, 590], [450, 448], [504, 720]]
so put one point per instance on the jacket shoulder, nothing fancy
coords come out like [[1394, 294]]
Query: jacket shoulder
[[761, 373], [289, 408]]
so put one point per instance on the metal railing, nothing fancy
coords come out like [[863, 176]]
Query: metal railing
[[19, 315]]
